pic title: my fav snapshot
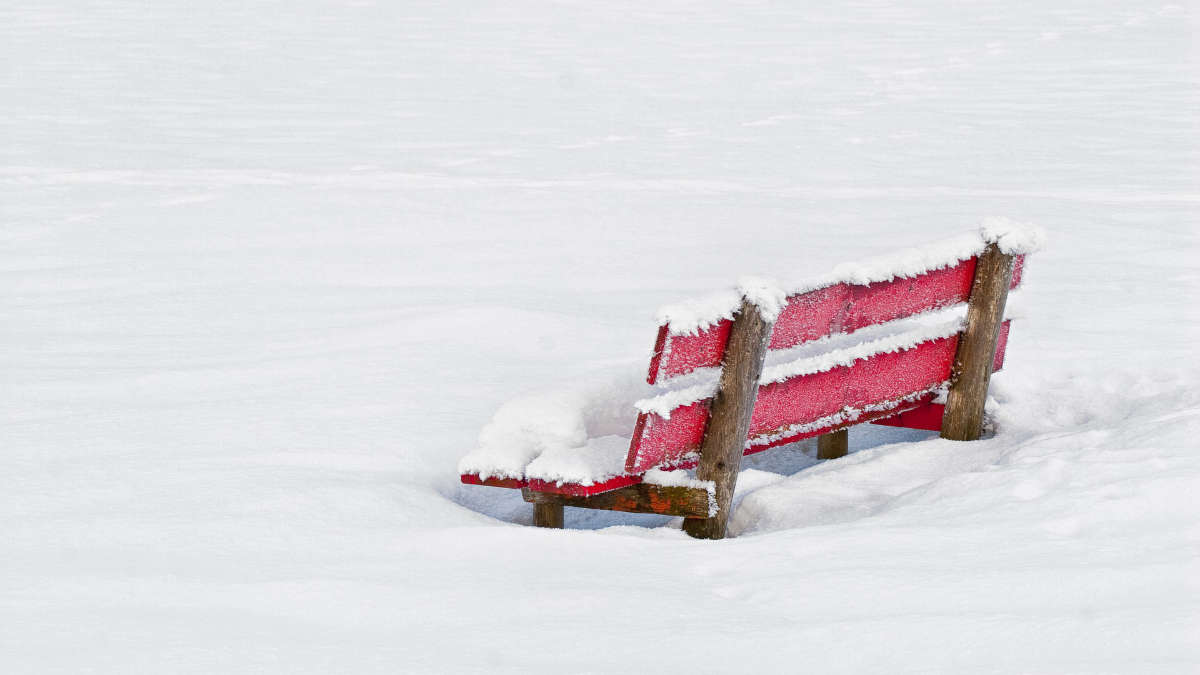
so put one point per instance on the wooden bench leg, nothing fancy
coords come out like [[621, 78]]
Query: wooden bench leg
[[963, 419], [729, 419], [833, 444], [548, 515]]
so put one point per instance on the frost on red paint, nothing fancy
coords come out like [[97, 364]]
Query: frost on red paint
[[658, 439], [678, 354], [1001, 346], [1018, 271], [838, 308], [580, 490], [928, 416], [796, 407], [474, 479], [902, 297]]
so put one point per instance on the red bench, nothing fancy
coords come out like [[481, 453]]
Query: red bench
[[890, 370]]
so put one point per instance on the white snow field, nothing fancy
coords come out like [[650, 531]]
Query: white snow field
[[269, 268]]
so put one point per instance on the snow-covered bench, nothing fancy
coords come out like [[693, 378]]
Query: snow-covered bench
[[909, 339]]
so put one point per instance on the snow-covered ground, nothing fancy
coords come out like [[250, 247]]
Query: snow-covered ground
[[268, 269]]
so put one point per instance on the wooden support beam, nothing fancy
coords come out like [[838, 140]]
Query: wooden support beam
[[963, 420], [640, 498], [548, 515], [729, 420], [833, 444]]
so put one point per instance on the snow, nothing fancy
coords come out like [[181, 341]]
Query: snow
[[662, 404], [268, 274], [690, 316], [765, 295], [565, 433], [1012, 237], [594, 461]]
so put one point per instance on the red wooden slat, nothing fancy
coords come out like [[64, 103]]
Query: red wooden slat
[[573, 489], [576, 490], [927, 417], [784, 407], [685, 353], [900, 407], [656, 437], [1001, 346], [473, 479], [798, 400], [840, 308], [810, 316], [889, 300], [875, 380], [1018, 271], [660, 345]]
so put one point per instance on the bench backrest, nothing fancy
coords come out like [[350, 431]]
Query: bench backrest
[[812, 396], [841, 307]]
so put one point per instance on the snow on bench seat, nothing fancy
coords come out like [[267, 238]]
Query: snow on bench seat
[[574, 434]]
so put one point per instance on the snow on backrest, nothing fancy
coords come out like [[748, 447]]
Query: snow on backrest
[[871, 378], [842, 307]]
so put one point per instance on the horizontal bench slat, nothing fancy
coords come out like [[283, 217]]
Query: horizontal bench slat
[[927, 417], [839, 308], [577, 490]]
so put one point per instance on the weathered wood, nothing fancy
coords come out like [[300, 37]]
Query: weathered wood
[[548, 515], [974, 359], [729, 421], [833, 444], [640, 498]]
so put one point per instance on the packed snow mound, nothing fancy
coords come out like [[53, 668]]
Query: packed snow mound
[[577, 430], [1058, 444]]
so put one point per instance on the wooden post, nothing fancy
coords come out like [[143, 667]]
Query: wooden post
[[548, 515], [729, 418], [833, 444], [963, 419]]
